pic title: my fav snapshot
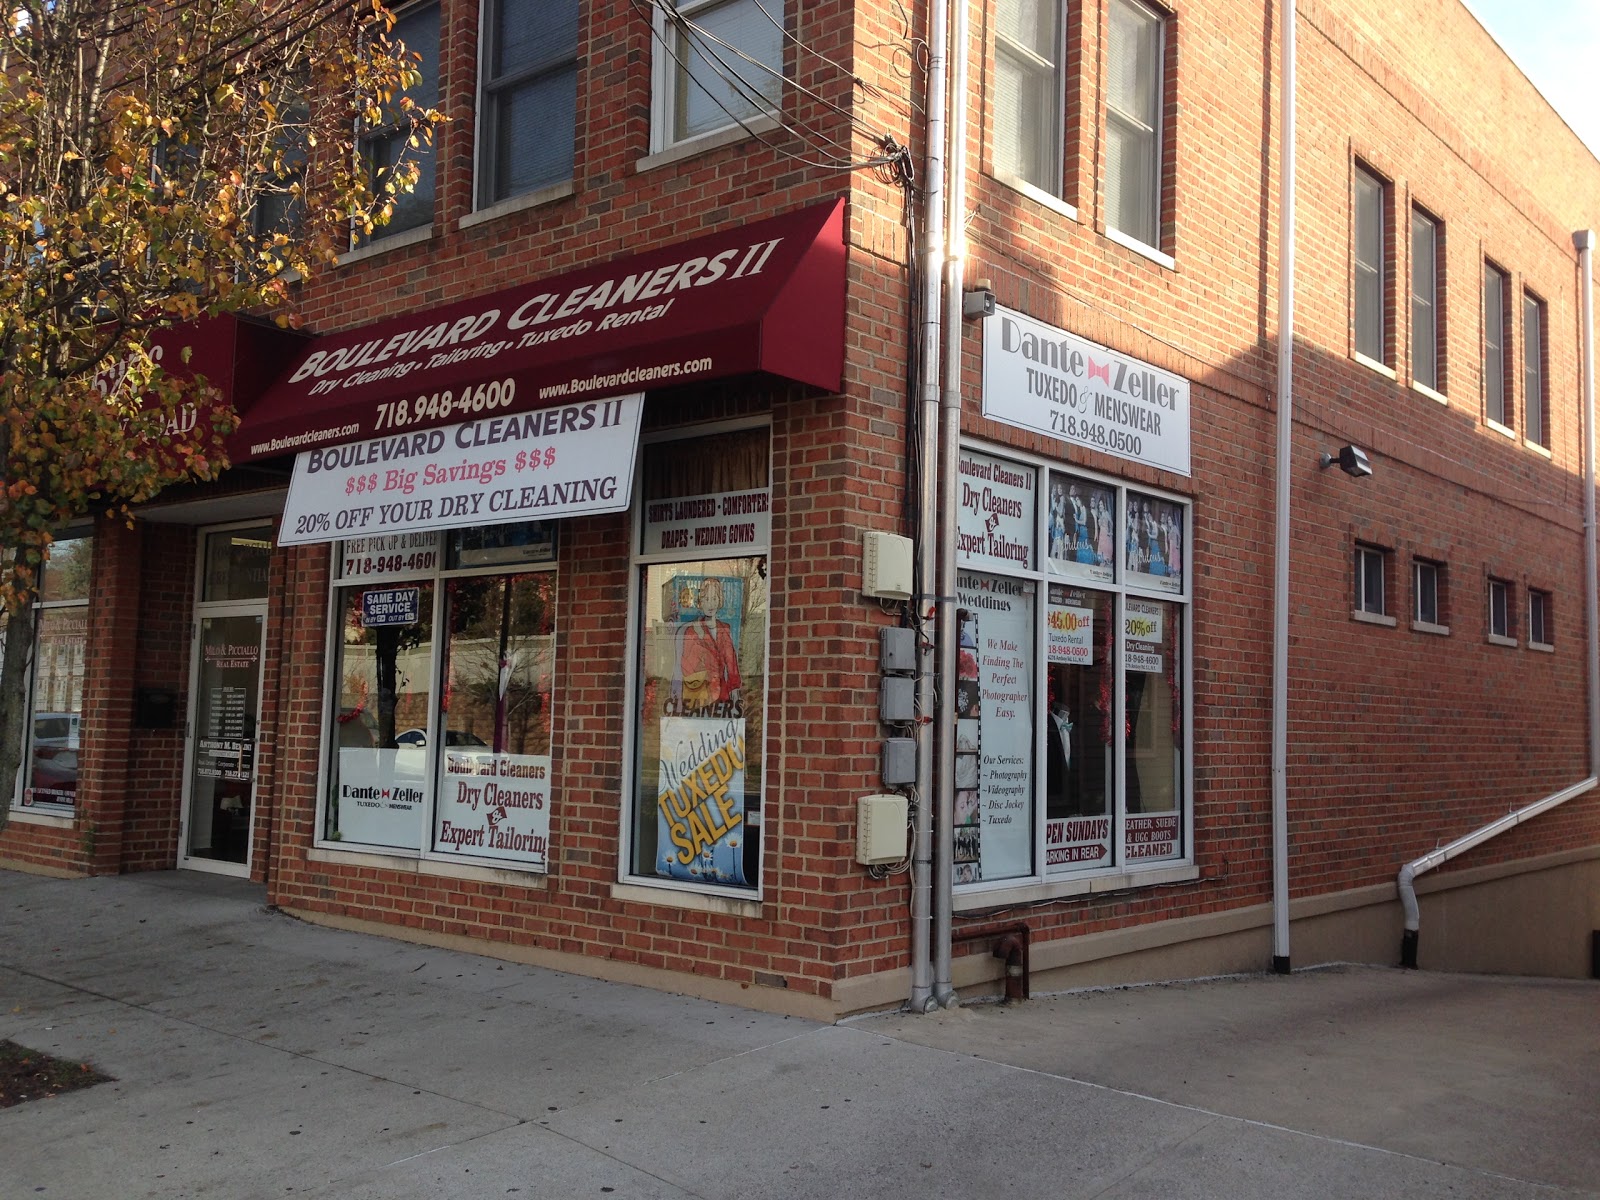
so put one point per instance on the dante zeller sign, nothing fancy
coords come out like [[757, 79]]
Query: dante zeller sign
[[555, 462], [1045, 380]]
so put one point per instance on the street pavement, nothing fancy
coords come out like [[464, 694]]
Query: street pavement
[[259, 1056]]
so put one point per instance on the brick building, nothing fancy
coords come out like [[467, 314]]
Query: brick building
[[562, 639]]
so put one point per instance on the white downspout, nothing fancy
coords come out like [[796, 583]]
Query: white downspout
[[923, 881], [1280, 573], [1584, 241], [949, 461]]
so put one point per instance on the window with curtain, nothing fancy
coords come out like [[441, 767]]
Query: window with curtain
[[723, 65], [529, 97], [1029, 92], [1133, 121]]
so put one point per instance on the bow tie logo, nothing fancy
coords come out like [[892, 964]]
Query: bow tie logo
[[1101, 371]]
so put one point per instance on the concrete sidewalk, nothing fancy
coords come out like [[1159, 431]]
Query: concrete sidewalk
[[256, 1056]]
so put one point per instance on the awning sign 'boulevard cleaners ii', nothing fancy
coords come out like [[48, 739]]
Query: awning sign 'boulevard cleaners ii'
[[765, 297], [557, 462]]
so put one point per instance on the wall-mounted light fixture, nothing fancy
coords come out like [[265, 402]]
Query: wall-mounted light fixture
[[1352, 460], [977, 301]]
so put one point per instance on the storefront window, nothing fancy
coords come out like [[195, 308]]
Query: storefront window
[[441, 731], [701, 673], [1070, 741], [61, 636]]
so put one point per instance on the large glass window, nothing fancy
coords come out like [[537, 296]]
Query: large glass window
[[1071, 618], [61, 638], [1371, 278], [1133, 121], [1030, 96], [700, 675], [443, 669], [530, 96], [1424, 300], [723, 64], [386, 144], [1496, 401]]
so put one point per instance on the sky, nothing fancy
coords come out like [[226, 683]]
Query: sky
[[1557, 45]]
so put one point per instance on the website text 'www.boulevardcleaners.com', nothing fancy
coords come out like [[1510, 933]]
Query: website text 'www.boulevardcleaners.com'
[[279, 444], [630, 377]]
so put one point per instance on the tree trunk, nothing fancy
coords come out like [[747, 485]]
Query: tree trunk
[[14, 665]]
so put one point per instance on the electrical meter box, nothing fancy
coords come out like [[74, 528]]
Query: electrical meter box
[[899, 761], [881, 829], [886, 565]]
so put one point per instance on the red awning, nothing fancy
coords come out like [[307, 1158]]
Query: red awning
[[762, 297]]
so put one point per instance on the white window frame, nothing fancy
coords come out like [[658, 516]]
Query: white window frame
[[434, 861], [1496, 346], [1501, 612], [1044, 884], [1535, 404], [1370, 560], [486, 164], [1369, 214], [1050, 133], [365, 137], [1427, 581], [1540, 633], [1425, 340], [656, 888], [1155, 131], [665, 79]]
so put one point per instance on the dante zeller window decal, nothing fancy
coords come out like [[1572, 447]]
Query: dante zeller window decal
[[1070, 714], [700, 682]]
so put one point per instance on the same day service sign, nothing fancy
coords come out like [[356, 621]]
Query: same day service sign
[[1045, 380]]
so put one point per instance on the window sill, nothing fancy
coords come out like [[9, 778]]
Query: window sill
[[49, 820], [1496, 639], [1502, 430], [1430, 627], [1143, 249], [1059, 888], [1427, 391], [382, 244], [639, 892], [409, 863], [518, 203], [1542, 647], [1541, 451], [1038, 195], [1374, 364], [1367, 618], [705, 142]]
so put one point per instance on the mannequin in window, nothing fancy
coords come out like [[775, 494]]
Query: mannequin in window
[[1058, 758], [708, 665]]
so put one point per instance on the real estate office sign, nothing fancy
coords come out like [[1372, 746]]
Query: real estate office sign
[[1046, 380]]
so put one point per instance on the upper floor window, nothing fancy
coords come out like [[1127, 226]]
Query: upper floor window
[[385, 145], [1030, 92], [1427, 589], [1541, 624], [529, 102], [1537, 424], [1371, 252], [1496, 400], [1369, 581], [1134, 86], [1501, 615], [723, 65], [1425, 300]]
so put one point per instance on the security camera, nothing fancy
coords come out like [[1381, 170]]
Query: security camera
[[1352, 460]]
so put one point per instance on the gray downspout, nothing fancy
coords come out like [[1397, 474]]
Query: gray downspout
[[949, 461], [1584, 241], [923, 882], [1280, 569]]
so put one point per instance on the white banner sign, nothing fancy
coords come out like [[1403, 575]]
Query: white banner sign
[[556, 462], [1045, 380]]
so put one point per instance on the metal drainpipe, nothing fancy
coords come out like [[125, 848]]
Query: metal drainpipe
[[1280, 581], [922, 875], [950, 410], [1584, 241]]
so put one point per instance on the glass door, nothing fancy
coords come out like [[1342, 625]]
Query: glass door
[[225, 700]]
